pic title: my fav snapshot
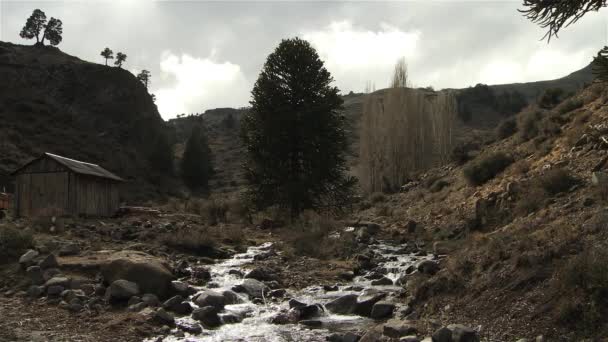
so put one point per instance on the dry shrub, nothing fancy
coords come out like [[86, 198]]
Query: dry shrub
[[215, 211], [14, 242], [377, 197], [314, 236], [530, 201], [384, 210], [506, 128], [569, 105], [174, 205], [583, 283], [555, 181], [521, 167], [197, 240], [482, 169]]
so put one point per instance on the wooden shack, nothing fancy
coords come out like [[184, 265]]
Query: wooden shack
[[55, 185], [5, 201]]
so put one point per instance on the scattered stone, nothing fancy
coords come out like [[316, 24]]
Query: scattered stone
[[137, 307], [396, 328], [50, 273], [190, 328], [236, 273], [262, 274], [310, 311], [348, 275], [150, 299], [279, 293], [179, 287], [344, 305], [100, 290], [230, 318], [69, 249], [35, 275], [599, 179], [210, 298], [231, 298], [207, 316], [88, 289], [410, 338], [294, 303], [122, 290], [134, 300], [58, 281], [382, 282], [461, 333], [164, 317], [366, 301], [312, 323], [54, 291], [382, 309], [429, 267], [254, 288], [27, 259], [50, 261], [35, 291]]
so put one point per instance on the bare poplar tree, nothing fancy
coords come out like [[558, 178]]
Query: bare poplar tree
[[400, 75]]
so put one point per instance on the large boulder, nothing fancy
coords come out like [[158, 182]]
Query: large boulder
[[262, 274], [254, 288], [207, 316], [27, 259], [122, 290], [397, 328], [455, 333], [382, 309], [366, 302], [148, 272], [210, 298], [344, 305]]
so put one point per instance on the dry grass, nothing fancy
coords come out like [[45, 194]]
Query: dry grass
[[314, 236]]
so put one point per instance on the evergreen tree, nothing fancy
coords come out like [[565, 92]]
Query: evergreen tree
[[196, 165], [120, 58], [600, 65], [37, 24], [144, 77], [107, 54], [557, 14], [161, 156], [294, 134]]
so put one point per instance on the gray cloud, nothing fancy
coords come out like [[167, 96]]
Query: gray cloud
[[208, 54]]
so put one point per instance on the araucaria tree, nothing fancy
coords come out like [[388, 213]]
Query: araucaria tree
[[196, 164], [107, 54], [144, 77], [37, 24], [294, 134], [557, 14], [120, 58]]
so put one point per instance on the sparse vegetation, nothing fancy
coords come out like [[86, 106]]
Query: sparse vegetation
[[484, 168], [144, 77], [120, 59], [196, 164], [551, 98], [14, 241], [506, 128], [555, 181], [570, 105]]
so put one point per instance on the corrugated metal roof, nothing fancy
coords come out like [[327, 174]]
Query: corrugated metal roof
[[80, 167]]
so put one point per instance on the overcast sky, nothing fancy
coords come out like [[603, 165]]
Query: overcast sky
[[205, 55]]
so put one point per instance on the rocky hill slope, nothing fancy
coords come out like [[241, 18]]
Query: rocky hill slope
[[53, 102], [523, 225]]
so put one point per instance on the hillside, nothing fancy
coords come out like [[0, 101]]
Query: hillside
[[53, 102], [482, 103], [526, 248]]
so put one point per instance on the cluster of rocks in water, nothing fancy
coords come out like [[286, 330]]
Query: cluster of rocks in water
[[144, 284]]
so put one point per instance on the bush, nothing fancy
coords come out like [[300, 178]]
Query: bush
[[551, 97], [555, 181], [506, 128], [570, 105], [461, 153], [483, 169], [13, 243], [215, 211], [584, 283], [197, 241], [377, 197], [439, 185], [528, 125]]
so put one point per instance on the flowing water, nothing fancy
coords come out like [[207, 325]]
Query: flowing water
[[256, 325]]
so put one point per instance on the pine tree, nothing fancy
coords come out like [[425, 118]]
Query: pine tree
[[600, 65], [120, 58], [161, 156], [196, 165], [36, 24], [294, 134], [144, 77], [107, 54], [557, 14]]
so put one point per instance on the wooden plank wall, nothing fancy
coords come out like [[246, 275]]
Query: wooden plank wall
[[46, 187]]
